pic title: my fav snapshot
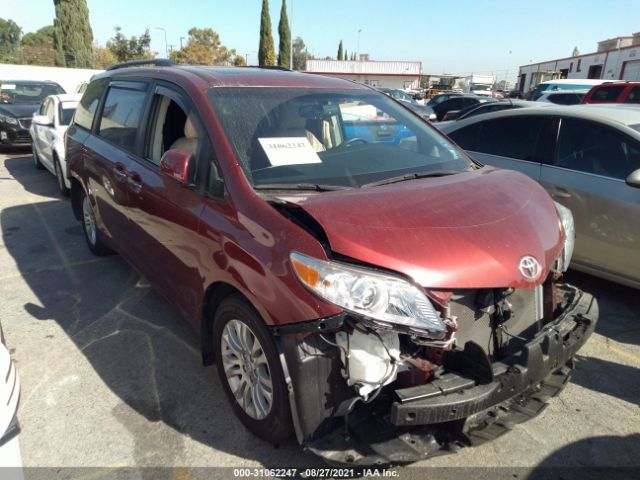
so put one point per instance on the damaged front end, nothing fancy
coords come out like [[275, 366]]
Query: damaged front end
[[374, 389]]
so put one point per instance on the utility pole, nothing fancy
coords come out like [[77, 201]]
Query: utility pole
[[358, 56], [181, 38], [166, 48]]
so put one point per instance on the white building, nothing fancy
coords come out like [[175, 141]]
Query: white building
[[616, 59], [402, 75]]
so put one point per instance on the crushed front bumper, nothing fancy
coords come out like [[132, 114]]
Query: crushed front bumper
[[454, 410]]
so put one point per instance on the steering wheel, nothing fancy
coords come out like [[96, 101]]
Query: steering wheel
[[352, 141]]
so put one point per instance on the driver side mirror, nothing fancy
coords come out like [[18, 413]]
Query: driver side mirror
[[176, 164], [42, 120], [633, 180]]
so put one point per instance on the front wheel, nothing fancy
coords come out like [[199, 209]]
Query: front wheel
[[250, 371], [90, 228]]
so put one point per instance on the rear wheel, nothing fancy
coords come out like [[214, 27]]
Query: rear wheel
[[250, 371], [90, 228], [36, 159], [62, 187]]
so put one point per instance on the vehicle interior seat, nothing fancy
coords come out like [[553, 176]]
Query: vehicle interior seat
[[291, 124], [190, 141]]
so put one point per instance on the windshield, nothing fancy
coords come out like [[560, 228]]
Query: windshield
[[66, 111], [340, 138], [17, 92]]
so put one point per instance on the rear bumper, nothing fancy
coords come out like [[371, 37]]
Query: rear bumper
[[454, 410]]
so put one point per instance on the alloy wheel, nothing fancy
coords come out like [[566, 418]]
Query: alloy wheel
[[246, 369], [89, 220]]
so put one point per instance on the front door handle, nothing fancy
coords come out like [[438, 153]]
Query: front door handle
[[120, 172], [561, 193], [135, 182]]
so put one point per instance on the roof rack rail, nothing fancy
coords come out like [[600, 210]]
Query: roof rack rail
[[154, 62], [269, 67]]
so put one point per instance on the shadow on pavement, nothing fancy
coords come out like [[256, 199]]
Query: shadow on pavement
[[619, 307], [610, 378], [616, 457], [38, 182], [135, 341]]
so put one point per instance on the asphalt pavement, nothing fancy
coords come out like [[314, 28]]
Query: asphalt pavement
[[112, 375]]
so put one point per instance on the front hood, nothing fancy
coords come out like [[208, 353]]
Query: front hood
[[19, 110], [468, 230]]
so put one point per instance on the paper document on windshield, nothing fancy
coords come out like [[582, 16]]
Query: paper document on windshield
[[289, 151]]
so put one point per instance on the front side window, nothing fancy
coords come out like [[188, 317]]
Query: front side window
[[341, 138], [607, 94], [121, 116], [589, 147], [89, 103], [511, 137], [66, 111], [634, 95]]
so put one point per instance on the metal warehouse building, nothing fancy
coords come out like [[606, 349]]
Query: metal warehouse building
[[616, 59], [374, 73]]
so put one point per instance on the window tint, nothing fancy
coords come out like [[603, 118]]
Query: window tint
[[593, 148], [121, 116], [512, 137], [607, 94], [89, 103], [566, 98], [466, 137], [634, 95]]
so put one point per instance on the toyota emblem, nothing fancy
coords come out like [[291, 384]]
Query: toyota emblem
[[529, 267]]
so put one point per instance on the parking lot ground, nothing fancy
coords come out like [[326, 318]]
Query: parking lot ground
[[112, 376]]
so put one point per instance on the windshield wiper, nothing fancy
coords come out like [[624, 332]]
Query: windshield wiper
[[413, 176], [313, 187]]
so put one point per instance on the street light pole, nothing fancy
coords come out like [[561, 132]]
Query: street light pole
[[358, 56], [166, 48], [181, 38]]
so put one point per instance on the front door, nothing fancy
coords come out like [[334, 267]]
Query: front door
[[164, 213], [587, 175]]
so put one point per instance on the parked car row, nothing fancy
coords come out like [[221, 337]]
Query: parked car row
[[329, 244]]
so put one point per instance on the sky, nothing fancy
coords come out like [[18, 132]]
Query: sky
[[456, 36]]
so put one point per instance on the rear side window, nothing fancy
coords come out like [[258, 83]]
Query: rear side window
[[593, 148], [89, 104], [634, 95], [566, 98], [512, 137], [121, 117], [466, 137], [607, 94]]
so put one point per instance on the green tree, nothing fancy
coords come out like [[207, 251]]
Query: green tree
[[284, 50], [300, 54], [10, 34], [340, 51], [134, 48], [72, 38], [42, 36], [346, 55], [266, 52], [205, 48]]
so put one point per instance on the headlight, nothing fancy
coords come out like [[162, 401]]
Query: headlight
[[9, 119], [566, 219], [375, 295]]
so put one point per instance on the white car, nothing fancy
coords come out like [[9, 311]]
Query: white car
[[10, 457], [562, 97], [47, 132]]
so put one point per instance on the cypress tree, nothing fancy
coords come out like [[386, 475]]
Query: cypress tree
[[346, 55], [266, 52], [340, 52], [284, 50], [72, 35]]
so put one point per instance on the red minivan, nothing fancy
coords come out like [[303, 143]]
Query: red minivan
[[358, 280], [614, 92]]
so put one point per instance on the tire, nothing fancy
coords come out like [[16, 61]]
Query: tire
[[36, 159], [269, 420], [90, 229], [62, 188]]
